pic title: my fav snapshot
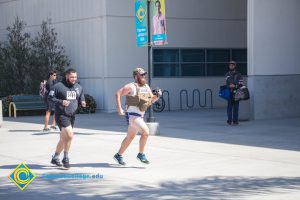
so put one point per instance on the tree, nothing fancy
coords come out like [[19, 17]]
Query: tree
[[16, 58], [24, 62], [3, 89], [48, 53]]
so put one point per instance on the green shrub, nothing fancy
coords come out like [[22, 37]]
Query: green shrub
[[5, 104], [91, 105]]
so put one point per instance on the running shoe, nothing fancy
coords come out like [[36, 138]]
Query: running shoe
[[55, 161], [66, 163], [46, 129], [142, 157], [119, 159]]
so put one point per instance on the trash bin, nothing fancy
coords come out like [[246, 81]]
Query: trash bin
[[1, 118], [244, 110]]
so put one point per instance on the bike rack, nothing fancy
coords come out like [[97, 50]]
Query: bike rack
[[211, 98], [184, 91], [186, 98], [168, 95]]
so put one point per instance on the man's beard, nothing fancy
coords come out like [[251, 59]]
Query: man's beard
[[141, 81], [70, 83]]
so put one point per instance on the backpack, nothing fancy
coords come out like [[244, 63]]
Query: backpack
[[43, 90]]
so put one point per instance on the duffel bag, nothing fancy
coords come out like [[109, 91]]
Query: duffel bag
[[241, 93], [224, 92]]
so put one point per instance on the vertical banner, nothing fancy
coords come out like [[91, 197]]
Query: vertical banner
[[141, 23], [159, 32]]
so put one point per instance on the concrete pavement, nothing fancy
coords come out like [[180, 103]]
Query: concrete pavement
[[197, 156]]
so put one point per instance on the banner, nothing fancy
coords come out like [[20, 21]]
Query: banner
[[158, 19], [141, 22]]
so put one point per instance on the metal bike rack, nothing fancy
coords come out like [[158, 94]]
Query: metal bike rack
[[211, 100], [168, 95], [186, 98], [196, 91]]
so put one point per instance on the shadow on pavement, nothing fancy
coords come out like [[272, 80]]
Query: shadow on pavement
[[209, 188], [200, 125], [80, 165]]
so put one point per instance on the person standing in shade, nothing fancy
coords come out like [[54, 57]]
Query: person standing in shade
[[138, 98], [66, 95], [49, 105], [234, 80]]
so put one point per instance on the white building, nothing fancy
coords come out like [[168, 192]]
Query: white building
[[99, 36]]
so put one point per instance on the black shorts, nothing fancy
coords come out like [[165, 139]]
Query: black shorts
[[64, 121], [50, 107]]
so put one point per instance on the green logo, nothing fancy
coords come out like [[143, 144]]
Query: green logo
[[22, 176], [141, 13]]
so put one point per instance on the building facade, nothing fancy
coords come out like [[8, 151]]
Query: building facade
[[203, 35]]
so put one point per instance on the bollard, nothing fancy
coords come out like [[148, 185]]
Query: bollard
[[153, 128], [1, 118]]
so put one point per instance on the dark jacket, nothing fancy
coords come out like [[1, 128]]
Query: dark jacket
[[234, 77], [64, 91]]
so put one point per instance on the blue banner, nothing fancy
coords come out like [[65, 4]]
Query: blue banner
[[141, 22]]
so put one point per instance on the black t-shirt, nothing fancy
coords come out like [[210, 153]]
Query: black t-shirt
[[49, 86]]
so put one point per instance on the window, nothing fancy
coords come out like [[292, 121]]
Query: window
[[218, 55], [196, 62], [166, 70], [166, 62]]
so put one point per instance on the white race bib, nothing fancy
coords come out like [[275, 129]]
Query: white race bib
[[144, 90], [71, 95]]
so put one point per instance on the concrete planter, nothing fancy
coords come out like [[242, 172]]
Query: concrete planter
[[244, 110]]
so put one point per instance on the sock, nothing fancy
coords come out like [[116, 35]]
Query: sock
[[56, 156], [66, 154]]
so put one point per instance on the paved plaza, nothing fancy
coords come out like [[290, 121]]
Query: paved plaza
[[196, 156]]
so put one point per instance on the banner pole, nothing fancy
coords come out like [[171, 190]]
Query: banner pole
[[151, 116]]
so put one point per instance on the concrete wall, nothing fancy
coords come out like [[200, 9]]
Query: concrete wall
[[273, 58], [191, 23], [275, 96], [99, 36]]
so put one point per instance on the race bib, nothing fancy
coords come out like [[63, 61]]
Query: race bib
[[144, 90], [71, 95]]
